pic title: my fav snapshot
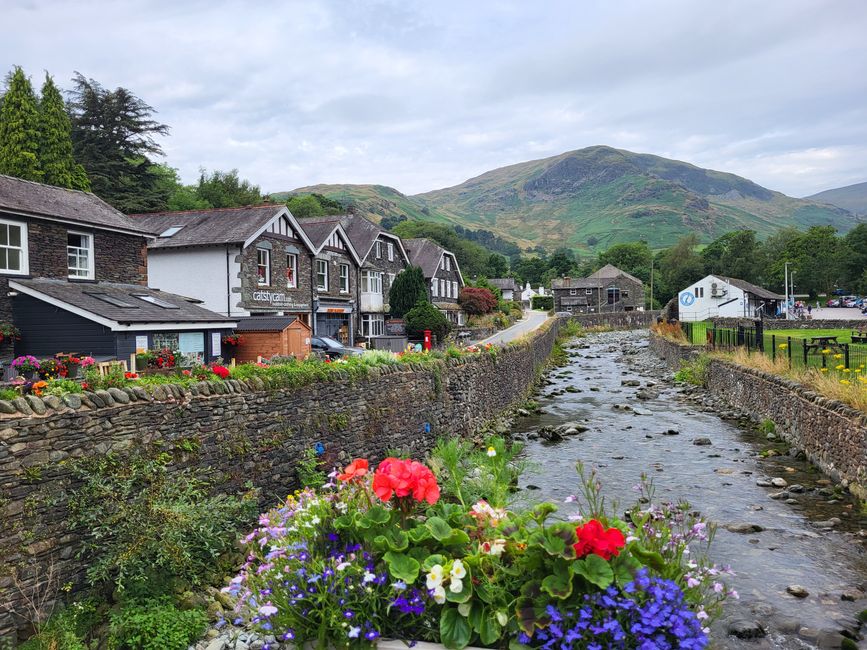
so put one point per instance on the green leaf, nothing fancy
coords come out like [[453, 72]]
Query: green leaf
[[439, 528], [378, 515], [625, 567], [491, 630], [514, 644], [457, 538], [559, 584], [418, 534], [542, 510], [433, 560], [477, 612], [595, 570], [648, 558], [558, 540], [455, 632], [343, 521], [402, 566]]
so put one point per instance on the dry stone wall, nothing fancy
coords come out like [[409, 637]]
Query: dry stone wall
[[242, 431], [831, 434], [819, 324], [618, 319]]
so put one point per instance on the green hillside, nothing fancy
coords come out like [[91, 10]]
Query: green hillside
[[852, 198], [595, 197]]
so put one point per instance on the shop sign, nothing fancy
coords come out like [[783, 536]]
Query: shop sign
[[277, 299]]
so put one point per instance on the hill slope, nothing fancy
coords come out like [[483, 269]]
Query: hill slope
[[596, 197], [852, 198]]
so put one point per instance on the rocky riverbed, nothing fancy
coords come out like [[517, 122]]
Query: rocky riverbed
[[796, 541]]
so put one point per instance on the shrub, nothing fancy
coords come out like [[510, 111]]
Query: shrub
[[9, 393], [60, 387], [309, 469], [67, 628], [476, 300], [425, 316], [147, 529], [154, 624], [544, 303], [694, 372]]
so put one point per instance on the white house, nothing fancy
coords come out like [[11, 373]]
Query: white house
[[729, 297], [528, 293]]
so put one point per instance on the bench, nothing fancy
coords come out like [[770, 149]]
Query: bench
[[818, 343], [859, 336]]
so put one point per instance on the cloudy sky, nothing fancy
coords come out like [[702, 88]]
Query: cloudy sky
[[422, 95]]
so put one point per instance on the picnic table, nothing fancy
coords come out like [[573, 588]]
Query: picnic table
[[859, 336], [818, 343]]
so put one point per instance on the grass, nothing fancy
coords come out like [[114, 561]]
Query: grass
[[843, 336]]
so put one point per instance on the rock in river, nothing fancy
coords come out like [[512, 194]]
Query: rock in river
[[744, 528], [701, 441], [798, 591]]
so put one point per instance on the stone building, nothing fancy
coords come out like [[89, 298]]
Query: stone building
[[382, 257], [508, 288], [73, 278], [608, 289], [443, 275], [237, 261]]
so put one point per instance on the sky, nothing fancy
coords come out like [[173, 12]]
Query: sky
[[423, 95]]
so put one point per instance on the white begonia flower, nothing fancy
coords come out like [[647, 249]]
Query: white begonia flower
[[456, 585], [491, 452], [458, 570], [435, 576], [502, 618], [439, 595]]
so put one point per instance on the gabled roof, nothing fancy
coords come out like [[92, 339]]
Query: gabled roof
[[363, 233], [505, 284], [320, 229], [60, 204], [609, 272], [576, 283], [215, 226], [754, 289], [265, 323], [426, 254], [120, 306]]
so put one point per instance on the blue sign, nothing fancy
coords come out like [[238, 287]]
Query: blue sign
[[686, 298]]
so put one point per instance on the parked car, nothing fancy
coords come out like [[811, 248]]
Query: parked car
[[331, 348], [833, 303]]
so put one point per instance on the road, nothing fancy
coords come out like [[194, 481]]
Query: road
[[532, 320]]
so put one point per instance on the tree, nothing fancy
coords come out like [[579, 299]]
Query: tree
[[19, 129], [562, 262], [531, 269], [227, 190], [477, 301], [735, 255], [855, 262], [408, 289], [55, 142], [634, 258], [497, 266], [305, 205], [180, 196], [424, 316], [113, 137], [680, 266]]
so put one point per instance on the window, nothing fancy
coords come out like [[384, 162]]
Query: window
[[291, 270], [588, 292], [79, 255], [372, 325], [433, 288], [371, 282], [166, 340], [13, 251], [448, 261], [624, 294], [699, 292], [454, 289], [390, 248], [159, 302], [572, 292], [263, 266], [112, 300], [613, 295], [443, 290], [344, 278], [443, 262], [173, 230], [378, 249], [322, 275]]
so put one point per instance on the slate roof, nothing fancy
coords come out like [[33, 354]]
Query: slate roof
[[208, 227], [37, 199], [609, 271], [318, 229], [264, 323], [505, 284], [753, 289], [363, 233], [576, 283], [86, 296], [424, 253]]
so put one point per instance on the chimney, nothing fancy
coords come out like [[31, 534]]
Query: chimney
[[566, 279]]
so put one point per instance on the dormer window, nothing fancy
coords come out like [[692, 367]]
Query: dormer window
[[13, 247], [79, 255]]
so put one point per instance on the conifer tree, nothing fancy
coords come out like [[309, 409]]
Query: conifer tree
[[55, 142], [19, 129]]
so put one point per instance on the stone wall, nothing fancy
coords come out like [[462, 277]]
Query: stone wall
[[794, 324], [240, 430], [618, 319], [831, 434]]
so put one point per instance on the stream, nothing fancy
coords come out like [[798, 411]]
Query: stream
[[639, 420]]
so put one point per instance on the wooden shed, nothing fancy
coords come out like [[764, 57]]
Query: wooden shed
[[267, 336]]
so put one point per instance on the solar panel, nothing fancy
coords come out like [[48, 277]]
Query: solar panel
[[112, 300], [155, 301]]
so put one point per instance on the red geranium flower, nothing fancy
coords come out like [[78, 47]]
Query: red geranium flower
[[221, 371], [403, 478], [355, 470], [595, 538]]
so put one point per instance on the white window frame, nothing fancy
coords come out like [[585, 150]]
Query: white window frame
[[573, 292], [90, 270], [454, 289], [371, 282], [22, 249], [390, 248], [372, 325], [588, 292], [344, 278], [433, 288], [322, 270], [443, 290], [443, 263], [378, 247], [266, 280], [292, 263]]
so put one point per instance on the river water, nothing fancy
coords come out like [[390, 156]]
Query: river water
[[809, 538]]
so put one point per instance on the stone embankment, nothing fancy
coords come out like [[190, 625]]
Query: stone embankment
[[240, 431], [773, 324], [831, 434]]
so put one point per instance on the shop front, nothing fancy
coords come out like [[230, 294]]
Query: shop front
[[334, 319]]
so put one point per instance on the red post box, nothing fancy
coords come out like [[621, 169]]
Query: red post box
[[427, 339]]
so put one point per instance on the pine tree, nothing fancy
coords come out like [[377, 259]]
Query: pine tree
[[55, 142], [408, 289], [19, 129]]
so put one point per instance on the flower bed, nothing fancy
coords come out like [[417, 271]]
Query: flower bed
[[412, 552]]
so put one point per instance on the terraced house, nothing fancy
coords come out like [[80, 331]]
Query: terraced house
[[443, 275], [74, 276]]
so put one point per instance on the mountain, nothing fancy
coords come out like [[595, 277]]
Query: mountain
[[852, 198], [595, 197]]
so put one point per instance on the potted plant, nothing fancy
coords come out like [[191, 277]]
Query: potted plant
[[26, 365], [233, 340], [8, 332], [51, 369], [144, 360]]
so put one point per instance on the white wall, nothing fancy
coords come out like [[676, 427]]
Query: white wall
[[198, 273], [698, 302]]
